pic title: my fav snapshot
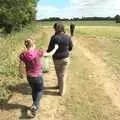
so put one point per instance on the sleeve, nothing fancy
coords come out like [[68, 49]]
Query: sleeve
[[70, 44], [51, 44]]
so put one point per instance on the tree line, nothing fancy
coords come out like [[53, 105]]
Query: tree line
[[15, 14], [116, 18]]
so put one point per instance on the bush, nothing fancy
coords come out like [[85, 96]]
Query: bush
[[15, 14], [117, 19]]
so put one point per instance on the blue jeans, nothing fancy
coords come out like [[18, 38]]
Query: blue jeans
[[36, 84]]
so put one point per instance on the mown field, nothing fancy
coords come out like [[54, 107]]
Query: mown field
[[82, 23], [93, 85]]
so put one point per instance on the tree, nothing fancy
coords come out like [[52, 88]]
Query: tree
[[117, 18], [14, 14]]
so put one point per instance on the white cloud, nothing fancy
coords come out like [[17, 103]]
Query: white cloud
[[96, 7], [46, 11], [96, 4], [79, 8]]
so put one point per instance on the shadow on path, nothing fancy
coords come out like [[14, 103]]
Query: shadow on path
[[23, 109], [23, 88]]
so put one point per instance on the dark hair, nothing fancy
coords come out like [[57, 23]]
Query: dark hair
[[55, 25], [59, 27]]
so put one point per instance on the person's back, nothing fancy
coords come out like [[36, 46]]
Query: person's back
[[72, 27], [32, 61], [65, 45]]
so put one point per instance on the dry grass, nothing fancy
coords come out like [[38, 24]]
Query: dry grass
[[93, 80], [93, 83], [10, 47]]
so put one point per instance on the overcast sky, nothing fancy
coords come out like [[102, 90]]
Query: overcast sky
[[77, 8]]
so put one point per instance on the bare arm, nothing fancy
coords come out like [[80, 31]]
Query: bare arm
[[51, 52], [21, 69]]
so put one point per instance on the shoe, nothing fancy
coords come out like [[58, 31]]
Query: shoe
[[29, 114], [57, 87], [61, 94], [34, 110]]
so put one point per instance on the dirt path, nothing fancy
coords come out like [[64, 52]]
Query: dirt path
[[101, 72]]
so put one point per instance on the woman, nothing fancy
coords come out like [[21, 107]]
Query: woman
[[61, 57]]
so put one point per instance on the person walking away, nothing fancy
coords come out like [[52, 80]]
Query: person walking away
[[61, 57], [31, 59], [72, 28]]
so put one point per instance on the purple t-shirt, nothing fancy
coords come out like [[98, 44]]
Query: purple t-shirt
[[33, 62]]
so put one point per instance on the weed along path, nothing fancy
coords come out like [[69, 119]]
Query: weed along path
[[93, 89]]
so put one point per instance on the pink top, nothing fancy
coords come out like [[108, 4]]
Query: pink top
[[33, 62]]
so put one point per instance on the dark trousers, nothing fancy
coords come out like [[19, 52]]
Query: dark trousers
[[36, 84], [72, 32]]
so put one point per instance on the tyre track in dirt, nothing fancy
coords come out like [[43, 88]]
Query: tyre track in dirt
[[102, 73]]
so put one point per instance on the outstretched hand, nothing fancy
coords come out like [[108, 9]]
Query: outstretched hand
[[51, 52]]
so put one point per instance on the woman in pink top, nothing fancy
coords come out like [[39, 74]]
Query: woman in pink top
[[32, 60]]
